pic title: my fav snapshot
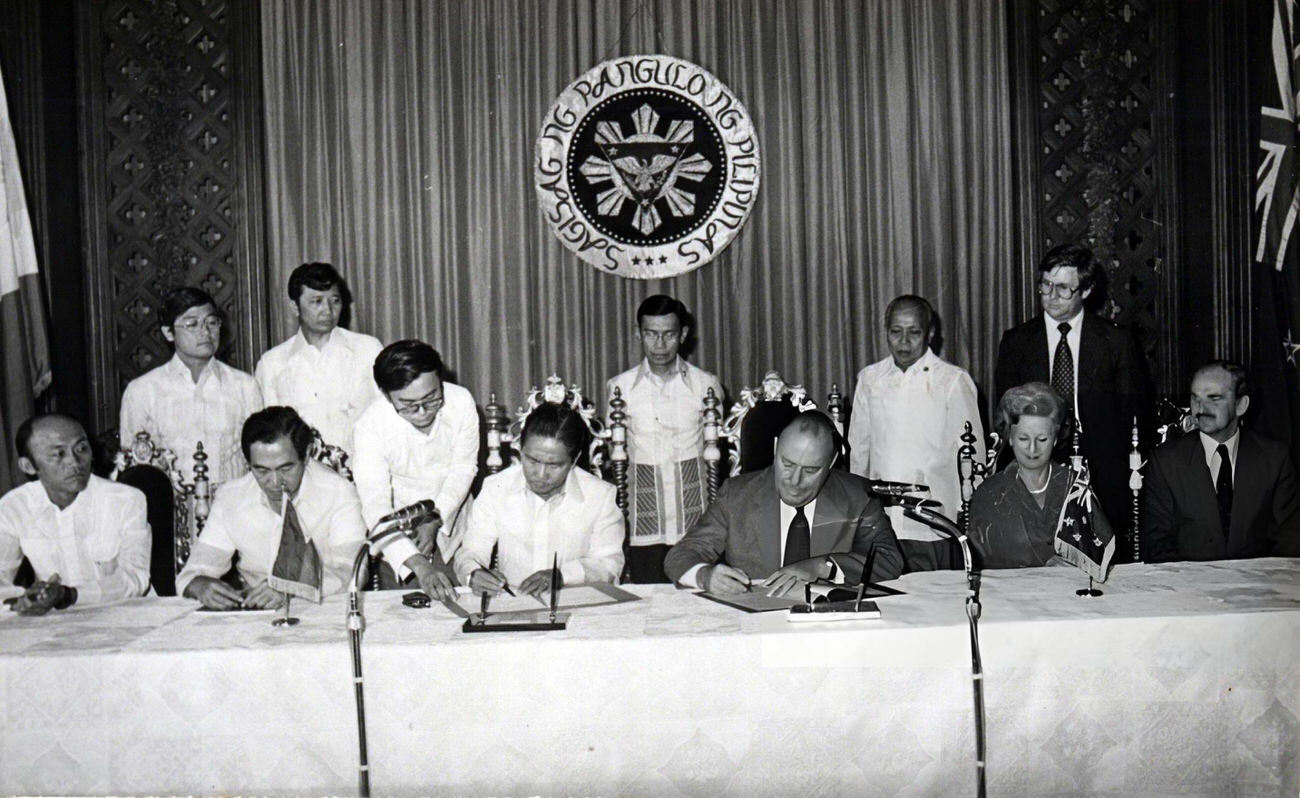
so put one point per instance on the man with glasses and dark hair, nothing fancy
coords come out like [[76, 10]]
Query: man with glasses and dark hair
[[665, 398], [193, 397], [1094, 366], [420, 443], [1224, 492], [323, 371]]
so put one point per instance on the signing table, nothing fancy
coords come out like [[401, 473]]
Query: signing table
[[1182, 679]]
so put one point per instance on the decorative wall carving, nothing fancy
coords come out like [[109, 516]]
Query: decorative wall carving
[[169, 185], [1102, 177]]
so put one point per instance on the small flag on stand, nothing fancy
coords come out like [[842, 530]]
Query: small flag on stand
[[297, 569], [1083, 536]]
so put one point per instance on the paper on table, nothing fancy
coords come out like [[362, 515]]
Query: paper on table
[[570, 598], [753, 601]]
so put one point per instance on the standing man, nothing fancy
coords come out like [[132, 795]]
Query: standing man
[[193, 397], [909, 412], [420, 443], [665, 399], [1224, 492], [324, 370], [86, 537], [1094, 365], [794, 522]]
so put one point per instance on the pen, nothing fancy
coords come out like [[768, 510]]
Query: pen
[[555, 583], [482, 609]]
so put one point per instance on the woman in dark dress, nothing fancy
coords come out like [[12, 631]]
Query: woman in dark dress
[[1014, 513]]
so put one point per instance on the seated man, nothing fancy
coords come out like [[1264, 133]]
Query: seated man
[[284, 490], [193, 397], [324, 371], [909, 412], [421, 443], [816, 524], [86, 537], [541, 507], [1224, 492]]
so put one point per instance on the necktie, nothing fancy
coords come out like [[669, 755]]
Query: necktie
[[1223, 486], [797, 544], [1063, 366]]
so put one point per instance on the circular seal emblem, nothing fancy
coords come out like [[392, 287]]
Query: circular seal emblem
[[647, 166]]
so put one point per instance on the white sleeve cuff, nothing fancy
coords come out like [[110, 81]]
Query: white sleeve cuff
[[689, 579]]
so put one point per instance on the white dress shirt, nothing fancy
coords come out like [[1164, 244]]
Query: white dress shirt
[[395, 465], [243, 520], [329, 387], [1071, 340], [178, 413], [1211, 447], [99, 544], [664, 429], [581, 523], [906, 426]]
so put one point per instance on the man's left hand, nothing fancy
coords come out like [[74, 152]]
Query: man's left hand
[[540, 583], [795, 575], [42, 597]]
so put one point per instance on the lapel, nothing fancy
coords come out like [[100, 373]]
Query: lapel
[[1092, 351], [1248, 487], [766, 518], [1203, 496], [1039, 368], [825, 526]]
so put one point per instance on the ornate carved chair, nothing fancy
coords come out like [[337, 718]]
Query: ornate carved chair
[[606, 455], [177, 509], [329, 455], [760, 415]]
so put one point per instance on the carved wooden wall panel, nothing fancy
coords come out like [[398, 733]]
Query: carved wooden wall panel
[[1095, 164], [172, 192]]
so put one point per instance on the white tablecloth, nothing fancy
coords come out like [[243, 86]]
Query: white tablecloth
[[1180, 680]]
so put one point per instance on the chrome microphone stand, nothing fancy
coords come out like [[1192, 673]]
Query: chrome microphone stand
[[398, 525], [919, 510]]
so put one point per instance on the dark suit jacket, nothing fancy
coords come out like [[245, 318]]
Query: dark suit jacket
[[742, 529], [1112, 387], [1180, 510]]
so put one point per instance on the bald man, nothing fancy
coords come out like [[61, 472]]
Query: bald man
[[86, 537], [791, 523]]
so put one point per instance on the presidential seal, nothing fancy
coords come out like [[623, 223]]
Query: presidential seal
[[647, 166]]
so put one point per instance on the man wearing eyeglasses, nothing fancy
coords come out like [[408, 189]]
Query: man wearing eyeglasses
[[421, 443], [323, 371], [1094, 365], [193, 397], [665, 400]]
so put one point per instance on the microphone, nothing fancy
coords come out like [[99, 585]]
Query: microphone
[[413, 514], [883, 487]]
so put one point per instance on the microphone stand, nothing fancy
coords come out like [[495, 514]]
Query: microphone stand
[[374, 544], [917, 510]]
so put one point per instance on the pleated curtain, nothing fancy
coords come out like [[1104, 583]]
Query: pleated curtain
[[400, 142]]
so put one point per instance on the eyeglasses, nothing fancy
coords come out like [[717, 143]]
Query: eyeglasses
[[416, 408], [1059, 290], [210, 323]]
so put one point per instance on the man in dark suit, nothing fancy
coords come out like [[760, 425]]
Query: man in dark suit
[[1094, 365], [793, 522], [1223, 477]]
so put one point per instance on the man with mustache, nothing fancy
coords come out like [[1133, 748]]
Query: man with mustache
[[86, 537], [1224, 492]]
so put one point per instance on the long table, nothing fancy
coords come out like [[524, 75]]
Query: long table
[[1181, 680]]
